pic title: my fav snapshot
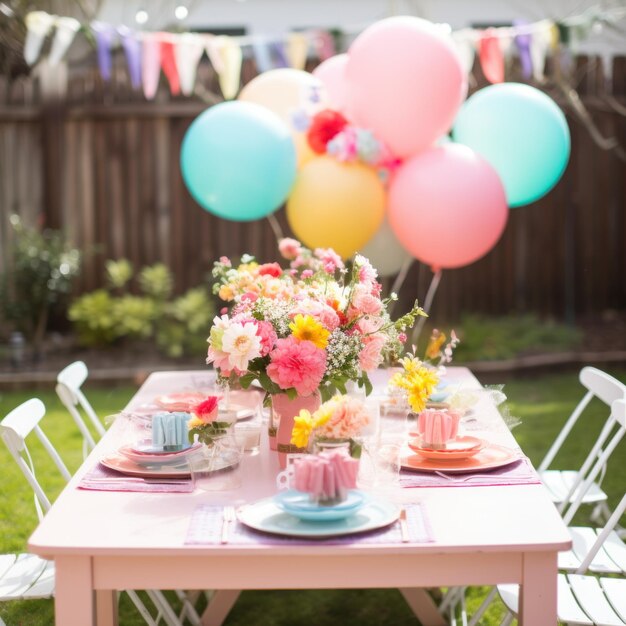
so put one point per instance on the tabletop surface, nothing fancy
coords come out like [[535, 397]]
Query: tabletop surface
[[464, 519]]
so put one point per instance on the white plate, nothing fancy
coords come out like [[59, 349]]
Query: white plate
[[267, 517]]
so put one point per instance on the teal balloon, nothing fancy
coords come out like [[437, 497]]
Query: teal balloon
[[238, 161], [522, 133]]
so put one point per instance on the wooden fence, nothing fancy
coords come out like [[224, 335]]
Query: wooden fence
[[103, 164]]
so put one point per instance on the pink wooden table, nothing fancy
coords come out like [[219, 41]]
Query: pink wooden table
[[102, 541]]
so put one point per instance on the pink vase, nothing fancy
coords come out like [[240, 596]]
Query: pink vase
[[283, 412]]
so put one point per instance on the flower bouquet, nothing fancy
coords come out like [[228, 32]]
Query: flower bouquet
[[313, 326], [302, 332]]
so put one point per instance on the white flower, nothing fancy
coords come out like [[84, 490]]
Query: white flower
[[242, 344]]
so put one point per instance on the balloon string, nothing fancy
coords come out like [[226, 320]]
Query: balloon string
[[278, 231], [399, 281], [430, 294]]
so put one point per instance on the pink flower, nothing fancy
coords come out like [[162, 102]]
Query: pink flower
[[289, 248], [365, 303], [224, 260], [265, 330], [348, 418], [297, 364], [307, 273], [270, 269], [367, 274], [206, 411], [219, 360], [329, 258], [402, 337], [224, 310], [370, 356], [250, 297], [322, 312]]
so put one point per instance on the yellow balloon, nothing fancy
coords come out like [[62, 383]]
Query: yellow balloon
[[336, 205], [284, 91]]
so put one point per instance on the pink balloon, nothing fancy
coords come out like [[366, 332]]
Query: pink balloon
[[405, 82], [332, 73], [447, 206]]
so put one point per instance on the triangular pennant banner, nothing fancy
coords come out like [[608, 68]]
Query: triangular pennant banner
[[523, 41], [151, 64], [188, 51], [539, 46], [324, 45], [491, 57], [262, 56], [231, 57], [105, 35], [132, 50], [67, 27], [278, 50], [297, 50], [168, 63], [38, 25], [465, 47]]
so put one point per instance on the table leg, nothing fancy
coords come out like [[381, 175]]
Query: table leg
[[423, 606], [73, 593], [106, 607], [538, 591]]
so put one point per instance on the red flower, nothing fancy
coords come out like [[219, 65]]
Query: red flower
[[324, 126], [270, 269], [206, 410]]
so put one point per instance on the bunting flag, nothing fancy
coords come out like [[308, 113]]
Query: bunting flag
[[132, 51], [523, 42], [262, 56], [105, 36], [231, 58], [278, 50], [324, 45], [168, 63], [150, 64], [212, 49], [465, 43], [297, 50], [541, 41], [491, 57], [67, 27], [188, 53], [38, 25]]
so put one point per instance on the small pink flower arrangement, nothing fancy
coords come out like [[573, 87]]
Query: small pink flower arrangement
[[313, 325], [204, 423]]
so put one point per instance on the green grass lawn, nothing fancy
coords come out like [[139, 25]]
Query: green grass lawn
[[542, 403]]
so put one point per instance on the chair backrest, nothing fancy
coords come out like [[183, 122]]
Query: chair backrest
[[599, 384], [14, 429], [612, 433], [68, 388]]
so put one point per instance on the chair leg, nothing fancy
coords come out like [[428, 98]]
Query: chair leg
[[508, 618], [141, 607], [189, 599], [165, 610], [222, 601], [483, 607]]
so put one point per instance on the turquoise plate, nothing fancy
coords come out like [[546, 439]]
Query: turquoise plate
[[297, 503], [266, 516]]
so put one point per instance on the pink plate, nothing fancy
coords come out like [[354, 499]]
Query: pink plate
[[179, 401], [120, 463], [491, 456], [460, 448], [146, 458]]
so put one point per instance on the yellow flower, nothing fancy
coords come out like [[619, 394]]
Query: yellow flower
[[302, 427], [226, 293], [418, 380], [194, 422], [437, 339], [307, 328]]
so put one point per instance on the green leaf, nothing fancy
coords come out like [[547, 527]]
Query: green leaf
[[246, 380]]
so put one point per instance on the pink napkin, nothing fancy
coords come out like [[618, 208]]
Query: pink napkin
[[102, 478], [438, 427], [519, 473], [326, 475]]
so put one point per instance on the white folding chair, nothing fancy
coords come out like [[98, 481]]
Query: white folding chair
[[68, 388], [569, 486], [26, 575], [598, 552]]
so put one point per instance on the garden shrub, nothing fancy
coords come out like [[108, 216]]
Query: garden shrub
[[178, 326]]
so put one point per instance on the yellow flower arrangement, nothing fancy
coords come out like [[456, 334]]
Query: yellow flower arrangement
[[418, 380], [303, 425]]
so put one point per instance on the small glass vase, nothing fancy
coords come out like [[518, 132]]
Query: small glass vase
[[326, 444]]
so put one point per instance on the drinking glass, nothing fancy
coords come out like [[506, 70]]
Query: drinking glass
[[217, 467]]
